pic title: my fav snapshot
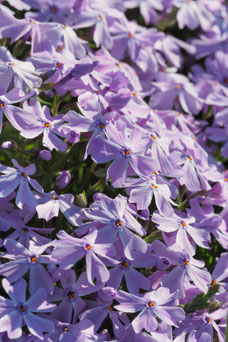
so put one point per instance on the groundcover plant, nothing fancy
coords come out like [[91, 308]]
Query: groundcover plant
[[113, 181]]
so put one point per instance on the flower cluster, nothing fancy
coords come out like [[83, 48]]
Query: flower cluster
[[113, 181]]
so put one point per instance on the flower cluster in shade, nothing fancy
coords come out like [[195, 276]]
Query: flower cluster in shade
[[139, 112]]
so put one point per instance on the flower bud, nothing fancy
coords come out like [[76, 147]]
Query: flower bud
[[81, 200], [215, 305], [63, 179], [73, 137], [45, 155], [6, 145]]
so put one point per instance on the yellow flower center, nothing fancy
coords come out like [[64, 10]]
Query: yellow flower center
[[47, 124], [24, 175], [71, 295], [22, 308], [66, 329], [124, 264], [89, 248], [186, 262], [118, 223], [33, 259], [151, 304]]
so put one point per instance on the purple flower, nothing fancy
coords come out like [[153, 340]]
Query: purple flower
[[149, 305], [42, 122], [21, 177], [69, 295], [24, 259], [185, 264], [50, 204], [193, 14], [185, 232], [17, 311], [69, 250], [18, 117], [117, 222], [124, 149]]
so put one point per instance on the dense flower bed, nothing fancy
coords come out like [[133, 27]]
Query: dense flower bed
[[113, 181]]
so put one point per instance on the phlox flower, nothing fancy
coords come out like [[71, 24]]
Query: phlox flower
[[186, 233], [118, 222], [69, 250], [149, 305], [41, 122], [185, 264], [13, 178], [50, 204], [17, 311], [24, 260]]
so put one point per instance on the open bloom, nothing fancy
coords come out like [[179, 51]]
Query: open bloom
[[13, 178], [23, 260], [17, 311], [151, 304]]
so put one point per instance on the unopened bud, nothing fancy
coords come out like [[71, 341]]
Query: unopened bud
[[81, 200], [215, 305], [45, 155], [6, 145], [63, 179]]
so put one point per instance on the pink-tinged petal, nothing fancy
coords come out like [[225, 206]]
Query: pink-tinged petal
[[96, 269], [145, 320], [38, 325], [48, 209], [170, 315], [12, 323], [117, 171], [16, 292], [200, 277]]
